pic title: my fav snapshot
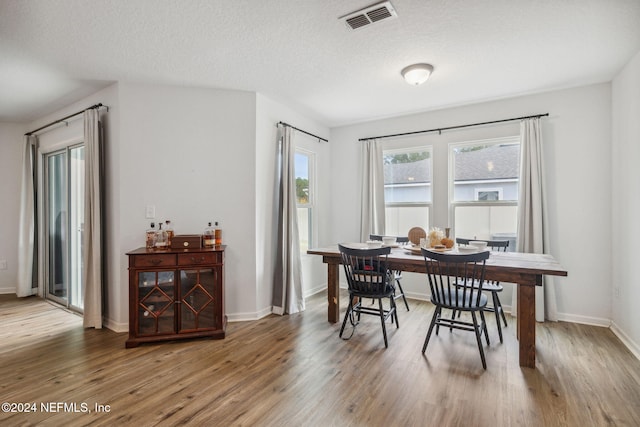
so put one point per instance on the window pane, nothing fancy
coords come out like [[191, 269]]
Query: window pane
[[304, 229], [302, 178], [407, 176], [487, 223], [303, 171], [400, 219], [486, 172], [407, 189]]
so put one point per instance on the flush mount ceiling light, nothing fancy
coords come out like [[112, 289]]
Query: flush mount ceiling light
[[417, 74]]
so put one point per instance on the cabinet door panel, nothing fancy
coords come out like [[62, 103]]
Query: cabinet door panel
[[156, 302], [198, 299]]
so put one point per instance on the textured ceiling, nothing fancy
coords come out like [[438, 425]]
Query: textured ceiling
[[299, 53]]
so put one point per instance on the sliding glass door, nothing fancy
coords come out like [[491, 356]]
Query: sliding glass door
[[64, 219]]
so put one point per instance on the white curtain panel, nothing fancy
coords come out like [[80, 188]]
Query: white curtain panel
[[287, 286], [27, 220], [372, 197], [533, 229], [92, 251]]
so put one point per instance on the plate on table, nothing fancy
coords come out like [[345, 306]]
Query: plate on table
[[467, 249], [413, 249], [416, 249], [439, 249]]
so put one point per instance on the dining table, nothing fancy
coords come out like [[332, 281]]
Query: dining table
[[526, 270]]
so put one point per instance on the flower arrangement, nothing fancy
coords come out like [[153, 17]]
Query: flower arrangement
[[435, 236]]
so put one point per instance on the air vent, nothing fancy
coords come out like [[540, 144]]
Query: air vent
[[377, 12]]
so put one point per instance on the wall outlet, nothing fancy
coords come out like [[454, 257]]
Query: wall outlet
[[616, 292], [3, 264], [150, 212]]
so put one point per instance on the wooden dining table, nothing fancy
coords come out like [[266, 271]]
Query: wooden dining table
[[523, 269]]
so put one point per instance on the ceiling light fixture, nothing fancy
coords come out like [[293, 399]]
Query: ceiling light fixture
[[417, 74]]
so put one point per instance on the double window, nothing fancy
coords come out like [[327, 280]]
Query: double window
[[407, 189], [483, 188], [483, 180]]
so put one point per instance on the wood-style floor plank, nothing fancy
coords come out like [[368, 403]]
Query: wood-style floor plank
[[295, 370]]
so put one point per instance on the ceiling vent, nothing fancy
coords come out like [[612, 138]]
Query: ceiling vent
[[370, 15]]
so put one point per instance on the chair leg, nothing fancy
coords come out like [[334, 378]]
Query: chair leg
[[346, 315], [484, 327], [395, 311], [436, 313], [478, 338], [453, 317], [504, 318], [384, 328], [402, 294], [496, 309]]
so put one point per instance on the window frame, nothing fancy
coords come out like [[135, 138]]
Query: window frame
[[428, 204], [453, 204]]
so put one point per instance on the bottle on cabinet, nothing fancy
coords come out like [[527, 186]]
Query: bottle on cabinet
[[208, 237], [217, 231], [151, 236], [169, 229], [161, 238]]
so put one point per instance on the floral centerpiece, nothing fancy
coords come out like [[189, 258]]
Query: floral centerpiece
[[435, 236]]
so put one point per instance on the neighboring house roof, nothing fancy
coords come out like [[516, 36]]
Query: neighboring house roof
[[408, 173], [493, 162]]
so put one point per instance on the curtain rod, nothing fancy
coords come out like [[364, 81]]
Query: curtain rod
[[66, 118], [439, 130], [303, 131]]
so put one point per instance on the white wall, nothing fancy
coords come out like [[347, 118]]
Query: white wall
[[269, 113], [577, 138], [11, 148], [190, 152], [626, 204]]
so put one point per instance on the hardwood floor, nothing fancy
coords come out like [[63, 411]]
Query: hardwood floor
[[295, 370]]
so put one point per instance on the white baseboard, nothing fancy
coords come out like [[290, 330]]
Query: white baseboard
[[628, 342], [7, 290], [117, 327], [585, 320], [243, 317]]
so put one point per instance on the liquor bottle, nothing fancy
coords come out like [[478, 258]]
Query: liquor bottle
[[161, 238], [217, 231], [151, 236], [169, 229], [208, 237]]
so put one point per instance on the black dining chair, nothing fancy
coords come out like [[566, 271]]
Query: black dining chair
[[397, 274], [492, 286], [368, 277], [456, 283]]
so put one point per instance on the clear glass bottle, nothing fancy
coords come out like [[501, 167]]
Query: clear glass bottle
[[208, 237], [161, 238], [169, 229], [151, 236], [217, 231]]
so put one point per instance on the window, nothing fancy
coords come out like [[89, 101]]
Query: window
[[483, 188], [304, 173], [407, 189], [489, 194]]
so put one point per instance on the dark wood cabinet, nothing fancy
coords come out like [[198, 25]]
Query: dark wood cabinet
[[176, 294]]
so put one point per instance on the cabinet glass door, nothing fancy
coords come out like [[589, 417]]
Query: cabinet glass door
[[197, 290], [156, 296]]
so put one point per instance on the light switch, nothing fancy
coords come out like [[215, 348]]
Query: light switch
[[3, 264], [151, 212]]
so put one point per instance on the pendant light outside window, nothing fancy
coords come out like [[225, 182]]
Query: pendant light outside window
[[417, 74]]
